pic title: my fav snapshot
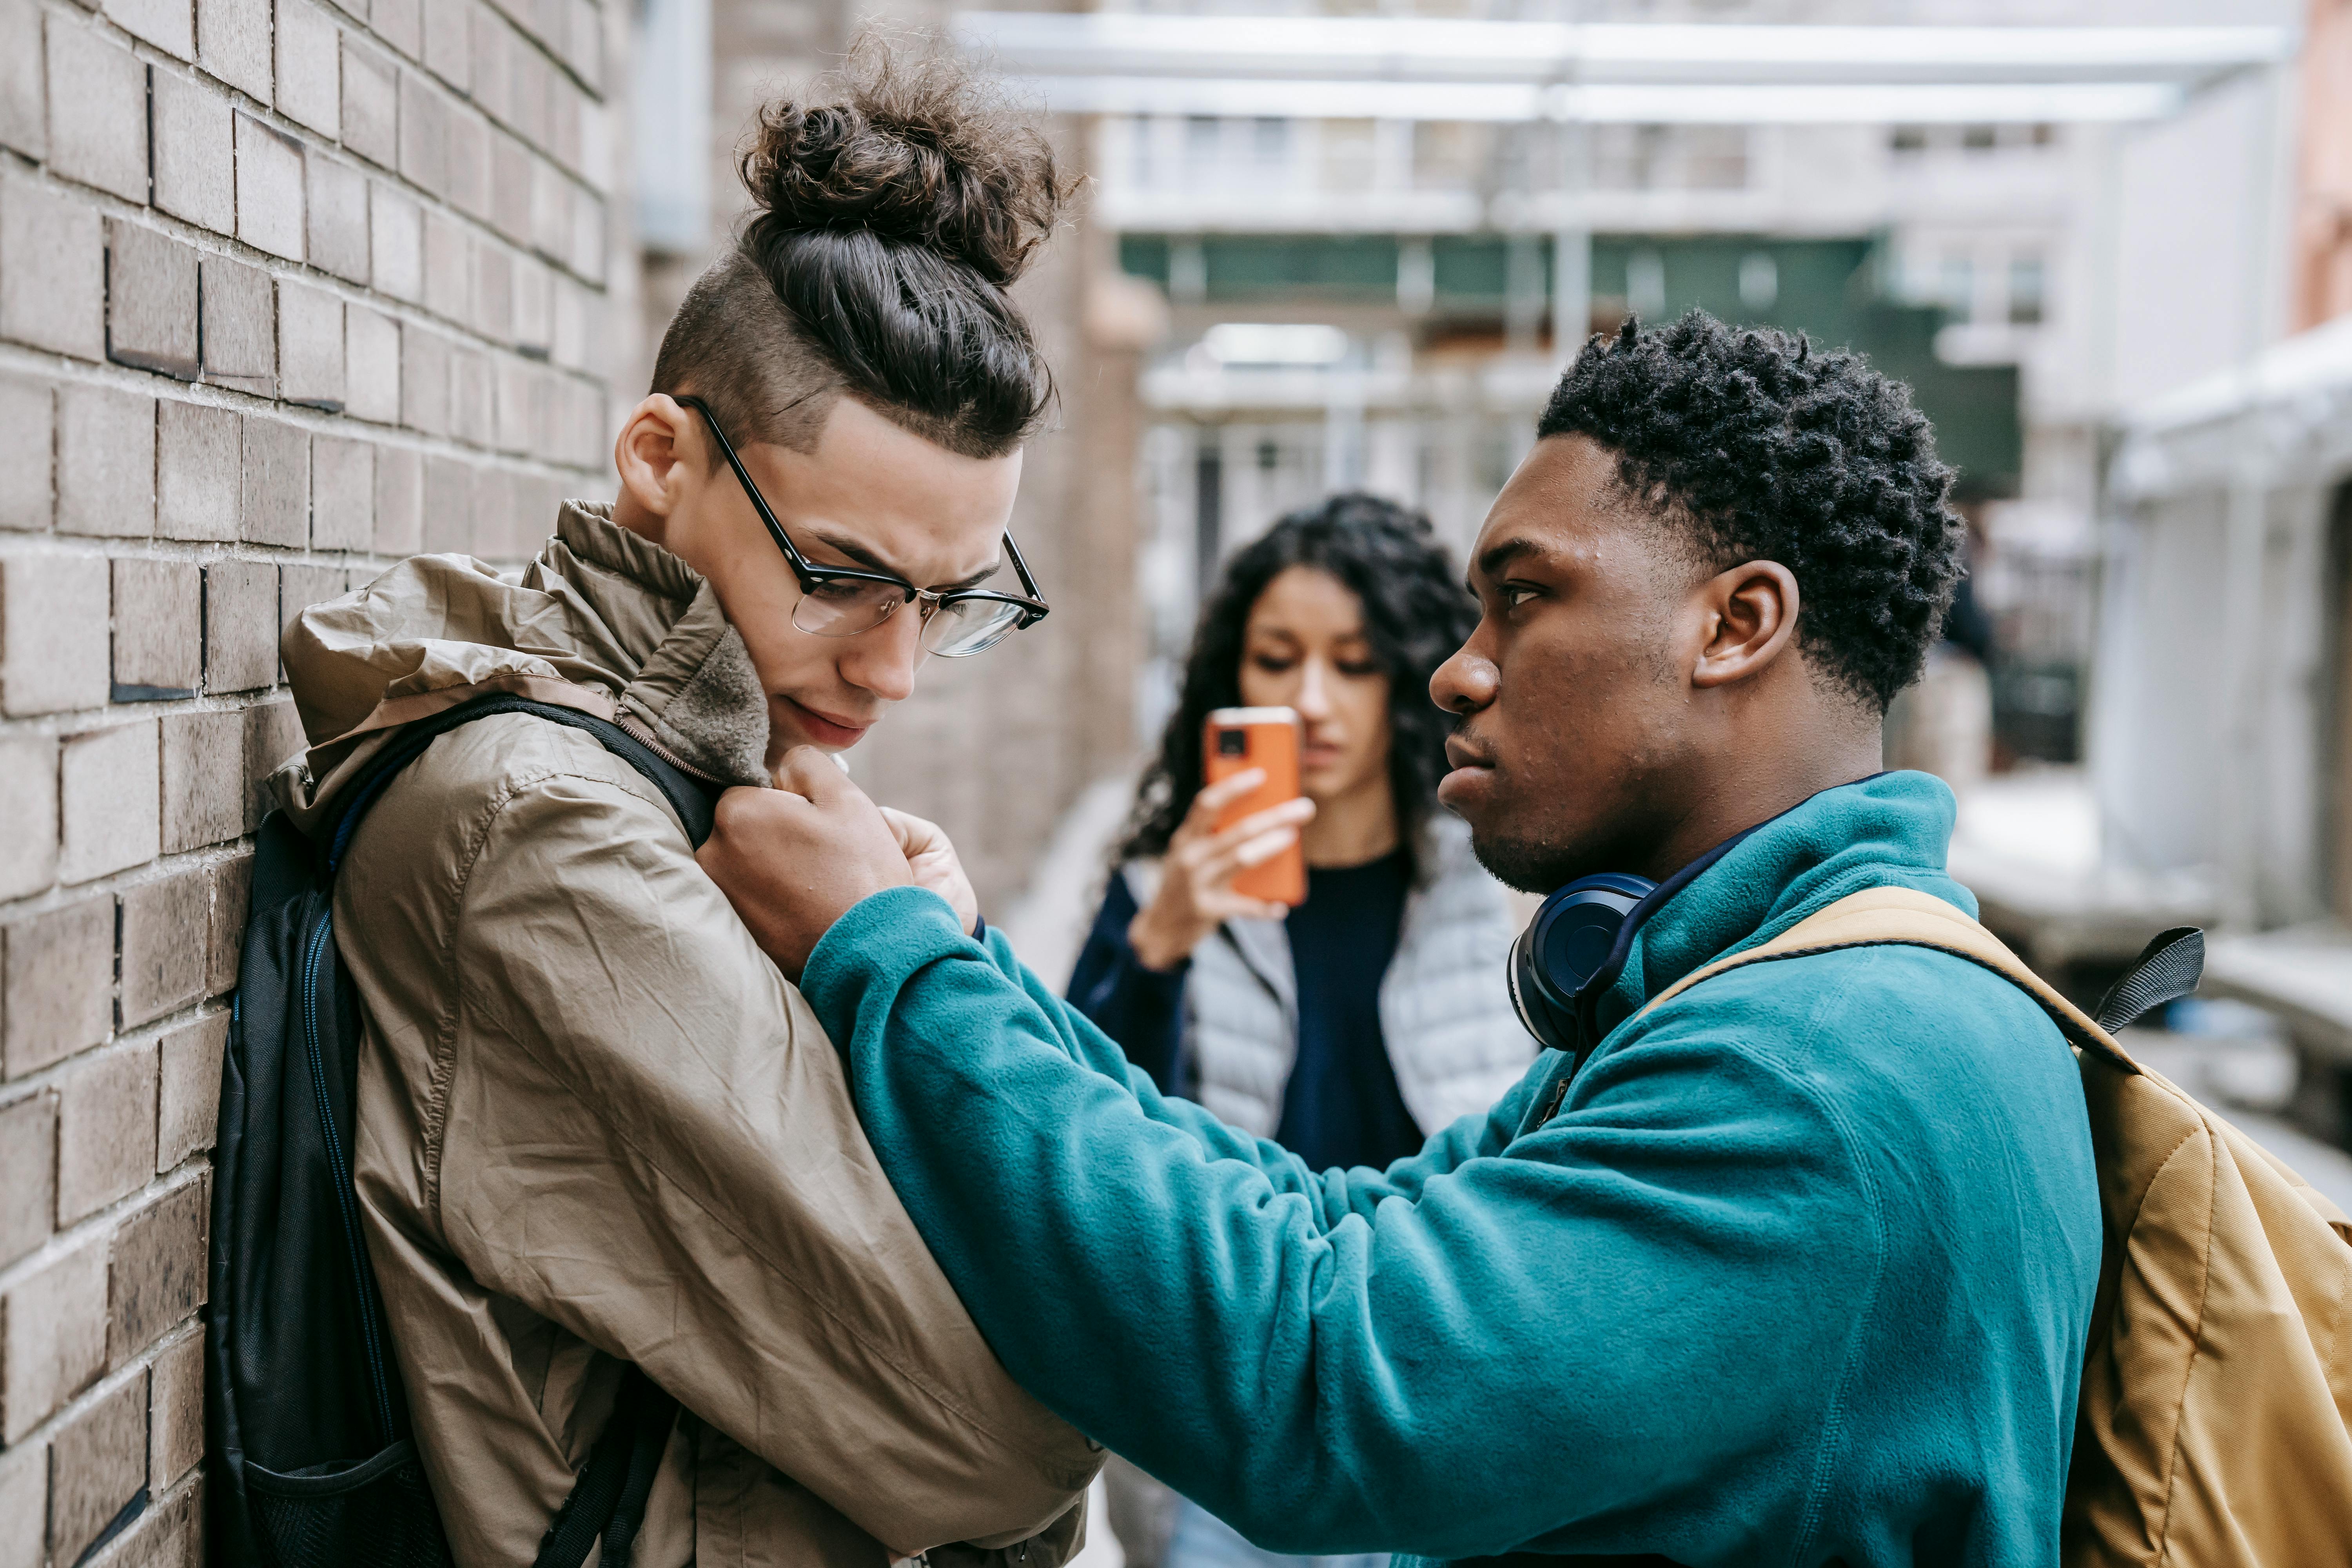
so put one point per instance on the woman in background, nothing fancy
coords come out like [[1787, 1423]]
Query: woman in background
[[1354, 1027]]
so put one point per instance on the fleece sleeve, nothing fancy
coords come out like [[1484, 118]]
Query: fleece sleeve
[[1650, 1296]]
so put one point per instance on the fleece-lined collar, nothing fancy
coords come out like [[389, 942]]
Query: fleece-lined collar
[[603, 621]]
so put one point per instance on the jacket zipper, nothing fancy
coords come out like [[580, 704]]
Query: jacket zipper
[[636, 731]]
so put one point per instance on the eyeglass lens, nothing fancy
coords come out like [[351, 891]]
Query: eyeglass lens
[[845, 607]]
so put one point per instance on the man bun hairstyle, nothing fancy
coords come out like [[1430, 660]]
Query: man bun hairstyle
[[1759, 448], [893, 205]]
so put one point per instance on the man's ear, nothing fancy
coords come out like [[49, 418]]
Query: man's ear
[[658, 454], [1750, 615]]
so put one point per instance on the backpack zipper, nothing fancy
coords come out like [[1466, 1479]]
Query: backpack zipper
[[345, 1202]]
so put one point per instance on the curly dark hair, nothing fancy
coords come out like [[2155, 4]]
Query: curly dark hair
[[1768, 451], [1416, 613]]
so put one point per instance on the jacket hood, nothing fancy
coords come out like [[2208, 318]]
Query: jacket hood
[[603, 621]]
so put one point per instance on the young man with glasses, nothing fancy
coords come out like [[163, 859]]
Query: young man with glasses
[[596, 1128]]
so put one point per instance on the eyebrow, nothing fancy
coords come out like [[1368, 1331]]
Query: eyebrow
[[860, 556], [1495, 557]]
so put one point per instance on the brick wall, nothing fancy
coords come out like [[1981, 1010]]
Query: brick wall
[[285, 292]]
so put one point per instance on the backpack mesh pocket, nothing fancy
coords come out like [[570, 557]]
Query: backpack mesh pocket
[[378, 1513]]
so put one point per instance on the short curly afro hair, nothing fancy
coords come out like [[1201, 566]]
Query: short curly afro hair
[[1768, 451]]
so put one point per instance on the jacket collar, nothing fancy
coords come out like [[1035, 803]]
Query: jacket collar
[[1889, 830]]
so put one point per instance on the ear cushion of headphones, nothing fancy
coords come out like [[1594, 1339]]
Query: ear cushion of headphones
[[1565, 946]]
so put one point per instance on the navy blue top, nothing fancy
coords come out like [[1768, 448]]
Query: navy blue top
[[1341, 1106]]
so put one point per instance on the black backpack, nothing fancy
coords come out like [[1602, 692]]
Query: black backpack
[[313, 1464]]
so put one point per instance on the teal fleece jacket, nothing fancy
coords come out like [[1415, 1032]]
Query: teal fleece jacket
[[1800, 1271]]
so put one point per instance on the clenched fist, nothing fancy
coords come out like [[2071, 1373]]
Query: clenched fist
[[795, 858]]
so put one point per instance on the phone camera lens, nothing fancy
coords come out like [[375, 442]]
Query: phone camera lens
[[1232, 742]]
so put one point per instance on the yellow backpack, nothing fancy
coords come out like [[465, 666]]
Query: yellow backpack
[[2214, 1426]]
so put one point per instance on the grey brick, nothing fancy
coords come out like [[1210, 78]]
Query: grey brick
[[187, 1096], [158, 629], [52, 271], [240, 626], [423, 134], [232, 896], [24, 104], [551, 211], [448, 507], [109, 783], [58, 983], [106, 462], [240, 326], [447, 40], [472, 419], [268, 189], [493, 63], [29, 435], [106, 1129], [423, 380], [396, 242], [371, 366], [150, 301], [336, 194], [175, 1404], [530, 83], [343, 494], [563, 109], [399, 501], [587, 258], [309, 76], [399, 22], [29, 1175], [53, 652], [196, 153], [169, 25], [198, 487], [204, 773], [534, 311], [233, 43], [97, 110], [272, 735], [300, 587], [587, 54], [569, 338], [166, 924], [309, 345], [521, 405], [494, 268], [156, 1275], [28, 803], [371, 111], [468, 164], [276, 485], [494, 515], [23, 1504], [56, 1322], [509, 186], [97, 1462], [449, 267]]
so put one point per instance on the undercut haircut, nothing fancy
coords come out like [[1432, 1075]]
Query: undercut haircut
[[1754, 447], [892, 208]]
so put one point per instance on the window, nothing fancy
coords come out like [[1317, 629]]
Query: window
[[1908, 139], [1760, 280], [2026, 290], [1269, 140], [1645, 284], [1980, 138], [1204, 137], [1955, 284]]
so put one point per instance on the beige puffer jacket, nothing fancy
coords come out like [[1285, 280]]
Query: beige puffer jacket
[[595, 1122]]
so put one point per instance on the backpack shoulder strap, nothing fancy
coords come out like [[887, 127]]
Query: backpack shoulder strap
[[1878, 916], [691, 798]]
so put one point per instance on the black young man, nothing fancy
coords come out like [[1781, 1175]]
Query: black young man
[[1796, 1268]]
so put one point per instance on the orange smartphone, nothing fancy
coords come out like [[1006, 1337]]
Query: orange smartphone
[[1239, 739]]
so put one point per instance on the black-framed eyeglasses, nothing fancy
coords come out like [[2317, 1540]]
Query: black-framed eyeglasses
[[844, 601]]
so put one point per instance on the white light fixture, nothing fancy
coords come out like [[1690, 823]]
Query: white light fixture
[[1274, 343]]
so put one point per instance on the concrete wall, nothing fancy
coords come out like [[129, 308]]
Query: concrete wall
[[285, 292]]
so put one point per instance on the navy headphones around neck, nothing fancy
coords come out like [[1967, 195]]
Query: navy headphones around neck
[[1567, 948]]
